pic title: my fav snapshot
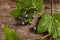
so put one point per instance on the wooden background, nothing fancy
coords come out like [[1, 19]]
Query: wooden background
[[5, 18]]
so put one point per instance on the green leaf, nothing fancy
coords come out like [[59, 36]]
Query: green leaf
[[31, 4], [50, 24], [24, 3], [38, 4], [10, 34], [57, 16], [15, 13], [43, 23]]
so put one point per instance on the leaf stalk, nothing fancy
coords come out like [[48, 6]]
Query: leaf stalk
[[52, 7]]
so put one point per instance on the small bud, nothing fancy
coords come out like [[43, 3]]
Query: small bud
[[36, 9], [33, 16], [23, 23], [30, 23], [25, 9], [26, 16], [34, 28], [19, 17]]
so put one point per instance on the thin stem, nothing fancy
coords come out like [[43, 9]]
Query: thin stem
[[28, 9], [46, 36], [52, 7]]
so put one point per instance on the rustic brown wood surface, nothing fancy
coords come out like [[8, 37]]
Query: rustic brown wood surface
[[6, 18]]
